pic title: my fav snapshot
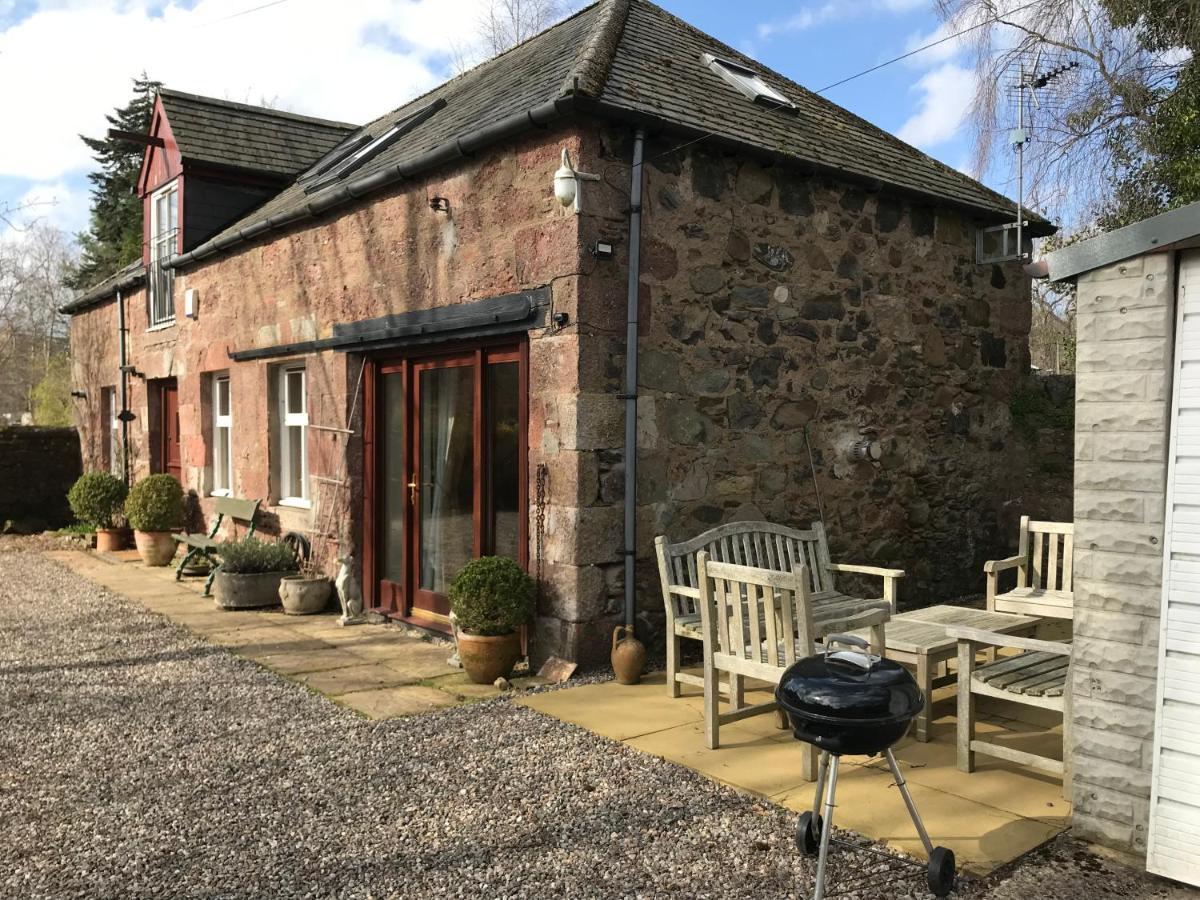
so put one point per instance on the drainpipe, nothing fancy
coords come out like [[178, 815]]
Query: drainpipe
[[124, 387], [631, 360]]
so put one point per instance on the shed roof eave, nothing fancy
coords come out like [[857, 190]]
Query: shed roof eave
[[1170, 230]]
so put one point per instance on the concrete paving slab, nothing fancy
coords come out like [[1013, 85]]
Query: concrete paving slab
[[414, 659], [614, 710], [299, 661], [406, 700], [347, 679], [462, 686]]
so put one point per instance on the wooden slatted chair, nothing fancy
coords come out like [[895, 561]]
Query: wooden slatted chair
[[756, 623], [1044, 572], [1039, 675], [763, 545]]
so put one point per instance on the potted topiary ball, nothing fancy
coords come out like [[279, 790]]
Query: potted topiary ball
[[250, 571], [491, 598], [96, 499], [154, 507]]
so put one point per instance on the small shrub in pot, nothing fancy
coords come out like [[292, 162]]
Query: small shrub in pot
[[97, 499], [250, 571], [153, 508], [491, 598]]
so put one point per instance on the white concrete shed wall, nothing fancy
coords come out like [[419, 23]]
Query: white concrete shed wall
[[1124, 329]]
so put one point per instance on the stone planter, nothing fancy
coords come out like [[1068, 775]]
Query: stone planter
[[157, 548], [109, 540], [233, 591], [485, 659], [304, 596]]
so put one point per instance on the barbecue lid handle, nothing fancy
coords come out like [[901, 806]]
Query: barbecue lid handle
[[862, 658]]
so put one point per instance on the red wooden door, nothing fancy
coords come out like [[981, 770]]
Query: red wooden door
[[168, 419]]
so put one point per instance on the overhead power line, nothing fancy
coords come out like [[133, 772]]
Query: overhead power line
[[246, 12], [923, 48]]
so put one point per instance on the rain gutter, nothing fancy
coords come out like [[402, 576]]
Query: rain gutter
[[631, 364]]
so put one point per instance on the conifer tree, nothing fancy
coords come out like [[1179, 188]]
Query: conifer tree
[[114, 235]]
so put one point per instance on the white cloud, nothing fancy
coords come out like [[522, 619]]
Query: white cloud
[[802, 21], [903, 6], [946, 95], [72, 62]]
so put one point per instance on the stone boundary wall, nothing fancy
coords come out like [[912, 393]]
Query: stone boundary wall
[[37, 468], [1125, 327]]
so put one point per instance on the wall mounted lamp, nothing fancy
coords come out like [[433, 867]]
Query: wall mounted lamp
[[602, 250], [439, 204], [566, 183]]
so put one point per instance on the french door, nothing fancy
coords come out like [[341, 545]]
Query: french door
[[445, 475]]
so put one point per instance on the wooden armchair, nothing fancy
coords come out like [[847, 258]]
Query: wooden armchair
[[1039, 675], [755, 623], [776, 548]]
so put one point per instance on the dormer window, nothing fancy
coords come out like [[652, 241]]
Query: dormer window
[[164, 228], [748, 82]]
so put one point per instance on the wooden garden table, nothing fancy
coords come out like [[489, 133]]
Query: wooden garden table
[[918, 640]]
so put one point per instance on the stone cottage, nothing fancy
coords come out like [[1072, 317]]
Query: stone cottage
[[1136, 660], [399, 335]]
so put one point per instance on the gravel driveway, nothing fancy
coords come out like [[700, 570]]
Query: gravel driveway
[[137, 761]]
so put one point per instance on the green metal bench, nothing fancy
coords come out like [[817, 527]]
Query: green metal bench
[[205, 545]]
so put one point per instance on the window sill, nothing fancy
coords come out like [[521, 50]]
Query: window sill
[[162, 326], [295, 503], [225, 493]]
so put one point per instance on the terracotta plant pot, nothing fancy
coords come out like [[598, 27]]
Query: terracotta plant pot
[[157, 548], [485, 659], [234, 591], [109, 540], [628, 656], [304, 596]]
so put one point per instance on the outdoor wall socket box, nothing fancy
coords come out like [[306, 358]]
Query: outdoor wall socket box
[[190, 301]]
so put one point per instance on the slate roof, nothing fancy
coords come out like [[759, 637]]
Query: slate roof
[[130, 276], [624, 59], [252, 138]]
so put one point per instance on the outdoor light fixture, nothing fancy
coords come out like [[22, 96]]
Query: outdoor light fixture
[[603, 250], [866, 451], [79, 395], [566, 183], [439, 204]]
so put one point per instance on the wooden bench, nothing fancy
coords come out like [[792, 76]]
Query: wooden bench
[[1039, 674], [205, 545], [762, 545]]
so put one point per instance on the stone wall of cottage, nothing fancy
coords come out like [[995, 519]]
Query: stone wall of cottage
[[783, 317], [504, 232], [1125, 327]]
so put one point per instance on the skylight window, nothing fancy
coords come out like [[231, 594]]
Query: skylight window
[[335, 156], [748, 82], [352, 154]]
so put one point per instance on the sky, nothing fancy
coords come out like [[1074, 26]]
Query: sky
[[64, 64]]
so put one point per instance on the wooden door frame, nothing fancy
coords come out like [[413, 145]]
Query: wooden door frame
[[157, 403], [509, 348]]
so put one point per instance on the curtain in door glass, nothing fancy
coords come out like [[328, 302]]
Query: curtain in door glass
[[395, 480], [447, 398], [504, 461]]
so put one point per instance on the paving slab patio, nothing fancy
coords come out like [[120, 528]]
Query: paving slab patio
[[378, 670], [988, 818]]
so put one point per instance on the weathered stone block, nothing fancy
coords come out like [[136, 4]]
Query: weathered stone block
[[1108, 505], [1128, 599], [1143, 477], [1102, 715], [1123, 568], [1139, 322], [1120, 749], [1123, 356], [1122, 537], [1140, 446], [1117, 688]]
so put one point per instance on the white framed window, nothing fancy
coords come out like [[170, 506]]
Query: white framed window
[[222, 437], [748, 82], [164, 226], [293, 436]]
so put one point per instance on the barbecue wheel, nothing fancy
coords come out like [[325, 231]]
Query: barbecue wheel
[[941, 871], [808, 833]]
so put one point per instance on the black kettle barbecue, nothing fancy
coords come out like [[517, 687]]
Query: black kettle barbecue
[[846, 702]]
